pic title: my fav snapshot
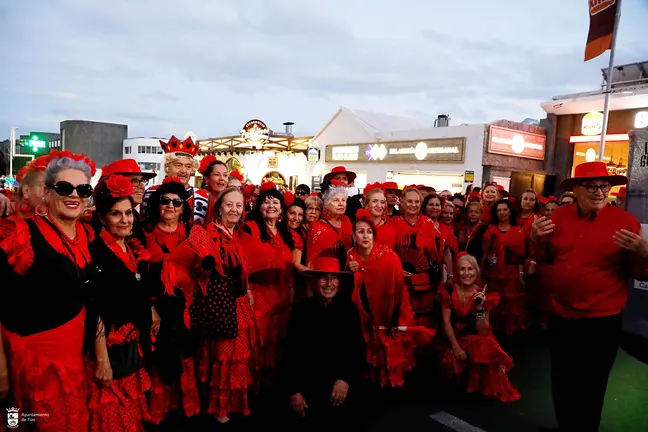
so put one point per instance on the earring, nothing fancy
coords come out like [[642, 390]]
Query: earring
[[87, 215], [24, 207], [279, 219], [41, 210]]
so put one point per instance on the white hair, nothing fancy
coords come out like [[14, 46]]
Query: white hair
[[64, 163], [332, 191], [169, 158]]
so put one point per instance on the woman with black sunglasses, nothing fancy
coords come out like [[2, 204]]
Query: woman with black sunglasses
[[45, 265], [166, 225]]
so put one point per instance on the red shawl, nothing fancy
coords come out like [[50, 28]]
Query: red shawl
[[264, 255], [135, 253], [157, 239], [398, 229], [323, 237]]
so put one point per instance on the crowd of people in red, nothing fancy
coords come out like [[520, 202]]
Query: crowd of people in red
[[113, 318]]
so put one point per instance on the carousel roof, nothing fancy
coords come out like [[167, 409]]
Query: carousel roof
[[238, 143]]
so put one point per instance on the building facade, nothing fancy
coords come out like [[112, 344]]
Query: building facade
[[148, 154]]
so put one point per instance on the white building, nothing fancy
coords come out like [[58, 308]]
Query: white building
[[148, 154], [381, 147]]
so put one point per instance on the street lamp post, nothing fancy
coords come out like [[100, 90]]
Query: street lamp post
[[12, 149]]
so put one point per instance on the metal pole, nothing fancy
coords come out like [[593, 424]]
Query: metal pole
[[12, 143], [608, 89]]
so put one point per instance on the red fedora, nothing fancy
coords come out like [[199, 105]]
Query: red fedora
[[621, 193], [323, 265], [391, 187], [125, 167], [592, 171], [351, 176]]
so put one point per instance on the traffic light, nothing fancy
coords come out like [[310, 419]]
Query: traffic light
[[36, 143]]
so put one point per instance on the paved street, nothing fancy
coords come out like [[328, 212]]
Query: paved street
[[432, 406]]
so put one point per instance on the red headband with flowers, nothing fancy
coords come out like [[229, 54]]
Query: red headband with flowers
[[237, 175], [474, 197], [289, 198], [74, 156], [119, 186], [372, 186], [267, 186], [205, 162]]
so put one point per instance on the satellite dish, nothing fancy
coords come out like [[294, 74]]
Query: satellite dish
[[190, 135]]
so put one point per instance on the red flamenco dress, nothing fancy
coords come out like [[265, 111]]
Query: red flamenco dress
[[210, 270], [42, 310], [121, 299], [507, 252], [325, 240], [486, 367], [173, 375], [417, 246], [270, 278], [383, 301]]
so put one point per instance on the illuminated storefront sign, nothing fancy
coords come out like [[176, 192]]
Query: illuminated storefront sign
[[597, 138], [511, 142], [255, 131], [433, 150], [641, 120], [592, 124]]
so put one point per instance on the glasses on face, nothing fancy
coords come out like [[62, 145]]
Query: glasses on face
[[592, 188], [64, 188], [139, 181], [165, 201], [300, 193]]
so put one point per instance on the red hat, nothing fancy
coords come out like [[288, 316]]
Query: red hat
[[592, 171], [426, 188], [351, 176], [391, 187], [323, 265], [125, 167], [174, 145], [621, 193]]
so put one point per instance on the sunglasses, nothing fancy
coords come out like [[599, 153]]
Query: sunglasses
[[592, 188], [64, 188], [299, 192], [165, 201]]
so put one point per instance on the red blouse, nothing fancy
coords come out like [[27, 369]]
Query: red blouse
[[324, 237]]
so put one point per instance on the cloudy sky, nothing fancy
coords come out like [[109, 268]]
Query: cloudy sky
[[168, 66]]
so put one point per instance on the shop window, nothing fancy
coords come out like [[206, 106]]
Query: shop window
[[140, 149], [452, 181], [615, 156]]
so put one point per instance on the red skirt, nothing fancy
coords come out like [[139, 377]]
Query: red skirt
[[48, 376], [388, 358], [122, 405], [509, 316], [225, 365], [270, 315], [165, 398], [485, 369]]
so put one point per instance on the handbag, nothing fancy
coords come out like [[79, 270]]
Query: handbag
[[125, 359]]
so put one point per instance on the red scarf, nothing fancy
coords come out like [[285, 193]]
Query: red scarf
[[76, 249], [134, 252]]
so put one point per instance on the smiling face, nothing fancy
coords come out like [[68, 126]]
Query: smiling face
[[364, 235], [528, 201], [328, 286], [412, 203], [119, 220], [467, 272], [181, 167], [295, 216], [231, 208], [592, 195], [337, 205], [168, 211], [217, 180], [376, 203], [474, 212], [270, 208], [67, 207], [139, 187], [489, 194], [448, 214], [433, 208]]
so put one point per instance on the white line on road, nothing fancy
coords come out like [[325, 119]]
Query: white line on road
[[454, 423]]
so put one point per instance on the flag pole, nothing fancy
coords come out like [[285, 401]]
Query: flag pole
[[608, 89]]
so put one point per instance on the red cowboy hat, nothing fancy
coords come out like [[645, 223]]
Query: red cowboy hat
[[621, 193], [592, 171], [125, 167], [391, 187], [324, 265], [351, 176]]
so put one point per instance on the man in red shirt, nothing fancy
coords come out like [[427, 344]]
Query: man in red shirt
[[593, 248]]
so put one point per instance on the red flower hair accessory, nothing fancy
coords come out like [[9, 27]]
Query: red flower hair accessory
[[119, 186], [289, 198], [237, 175], [372, 186], [171, 180], [474, 197], [74, 156], [23, 171], [267, 186], [363, 214], [249, 189], [205, 162], [337, 183]]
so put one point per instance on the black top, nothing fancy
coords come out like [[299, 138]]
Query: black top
[[323, 344], [475, 246], [50, 294]]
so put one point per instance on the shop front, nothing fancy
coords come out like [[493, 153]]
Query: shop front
[[381, 147], [514, 156], [261, 154]]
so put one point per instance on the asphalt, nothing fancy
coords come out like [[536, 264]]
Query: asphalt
[[430, 404]]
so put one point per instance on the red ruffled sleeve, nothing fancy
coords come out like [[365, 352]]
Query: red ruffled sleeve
[[297, 239], [17, 245]]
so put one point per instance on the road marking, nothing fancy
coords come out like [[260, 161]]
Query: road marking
[[454, 423]]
